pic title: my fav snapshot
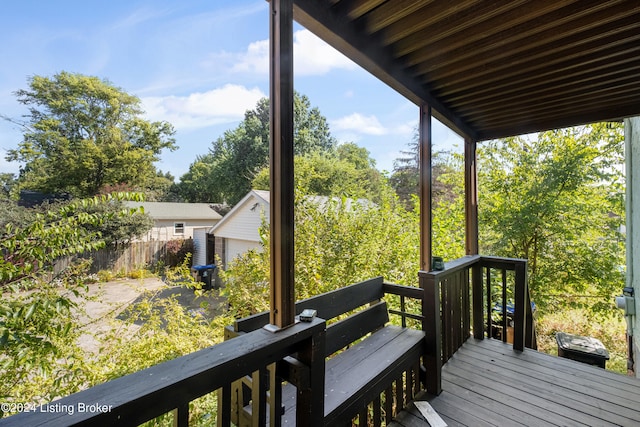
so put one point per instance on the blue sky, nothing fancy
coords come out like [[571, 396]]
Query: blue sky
[[198, 64]]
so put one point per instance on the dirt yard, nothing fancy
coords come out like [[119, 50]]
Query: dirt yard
[[112, 298]]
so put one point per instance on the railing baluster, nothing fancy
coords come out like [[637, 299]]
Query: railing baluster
[[445, 330], [224, 407], [275, 389], [489, 305], [504, 305], [362, 416], [455, 310], [388, 404], [467, 307], [181, 416], [399, 400], [404, 311], [377, 412], [530, 333], [260, 416]]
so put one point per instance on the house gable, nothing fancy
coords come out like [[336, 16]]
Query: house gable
[[244, 220]]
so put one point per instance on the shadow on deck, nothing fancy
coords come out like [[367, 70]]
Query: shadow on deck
[[486, 383]]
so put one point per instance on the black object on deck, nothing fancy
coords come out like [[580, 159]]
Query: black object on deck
[[583, 349]]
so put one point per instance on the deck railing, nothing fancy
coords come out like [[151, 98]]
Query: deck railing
[[170, 386], [460, 300], [456, 302]]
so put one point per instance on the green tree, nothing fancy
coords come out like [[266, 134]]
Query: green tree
[[117, 229], [338, 242], [7, 181], [226, 173], [83, 133], [348, 171], [12, 213], [558, 201], [37, 337], [405, 178]]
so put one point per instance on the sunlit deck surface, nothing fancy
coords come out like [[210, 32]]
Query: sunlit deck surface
[[486, 383]]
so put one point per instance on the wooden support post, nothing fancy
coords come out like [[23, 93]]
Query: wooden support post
[[432, 327], [520, 312], [426, 185], [470, 197], [281, 163]]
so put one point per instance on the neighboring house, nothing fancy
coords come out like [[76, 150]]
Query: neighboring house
[[181, 221], [238, 231]]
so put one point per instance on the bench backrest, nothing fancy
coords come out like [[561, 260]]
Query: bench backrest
[[329, 305], [356, 326]]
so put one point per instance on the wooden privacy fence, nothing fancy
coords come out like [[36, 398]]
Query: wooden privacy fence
[[126, 257]]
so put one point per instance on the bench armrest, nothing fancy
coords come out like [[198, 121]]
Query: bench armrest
[[406, 291]]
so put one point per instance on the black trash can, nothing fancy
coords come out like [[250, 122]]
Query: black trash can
[[204, 273], [582, 349]]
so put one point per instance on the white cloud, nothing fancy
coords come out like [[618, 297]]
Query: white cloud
[[201, 109], [311, 56], [356, 122]]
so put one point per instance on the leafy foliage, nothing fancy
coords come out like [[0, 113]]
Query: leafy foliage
[[83, 133], [36, 319], [225, 174], [12, 213], [558, 201], [405, 178], [339, 241], [347, 172]]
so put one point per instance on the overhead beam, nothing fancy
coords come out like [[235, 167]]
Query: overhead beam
[[281, 164], [426, 188]]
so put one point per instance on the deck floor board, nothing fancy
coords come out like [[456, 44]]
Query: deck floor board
[[486, 383]]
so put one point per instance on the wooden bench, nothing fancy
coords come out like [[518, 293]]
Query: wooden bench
[[368, 360]]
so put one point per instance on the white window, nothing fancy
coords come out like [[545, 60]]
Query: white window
[[178, 228]]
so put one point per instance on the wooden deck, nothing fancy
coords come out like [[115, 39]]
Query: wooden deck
[[486, 383]]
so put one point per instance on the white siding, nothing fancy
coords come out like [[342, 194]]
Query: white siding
[[235, 247], [164, 230], [246, 221], [200, 246]]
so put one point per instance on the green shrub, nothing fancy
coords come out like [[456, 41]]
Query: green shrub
[[105, 275]]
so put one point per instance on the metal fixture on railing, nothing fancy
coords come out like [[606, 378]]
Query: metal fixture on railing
[[627, 302]]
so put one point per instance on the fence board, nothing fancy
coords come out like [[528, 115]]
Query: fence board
[[125, 258]]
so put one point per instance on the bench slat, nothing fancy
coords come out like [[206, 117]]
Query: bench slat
[[356, 326], [357, 375]]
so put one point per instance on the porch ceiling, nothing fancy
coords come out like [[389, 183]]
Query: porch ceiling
[[491, 69]]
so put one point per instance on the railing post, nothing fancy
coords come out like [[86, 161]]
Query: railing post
[[478, 309], [310, 401], [520, 312], [431, 325]]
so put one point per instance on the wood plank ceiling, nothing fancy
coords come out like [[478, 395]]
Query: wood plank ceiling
[[491, 69]]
